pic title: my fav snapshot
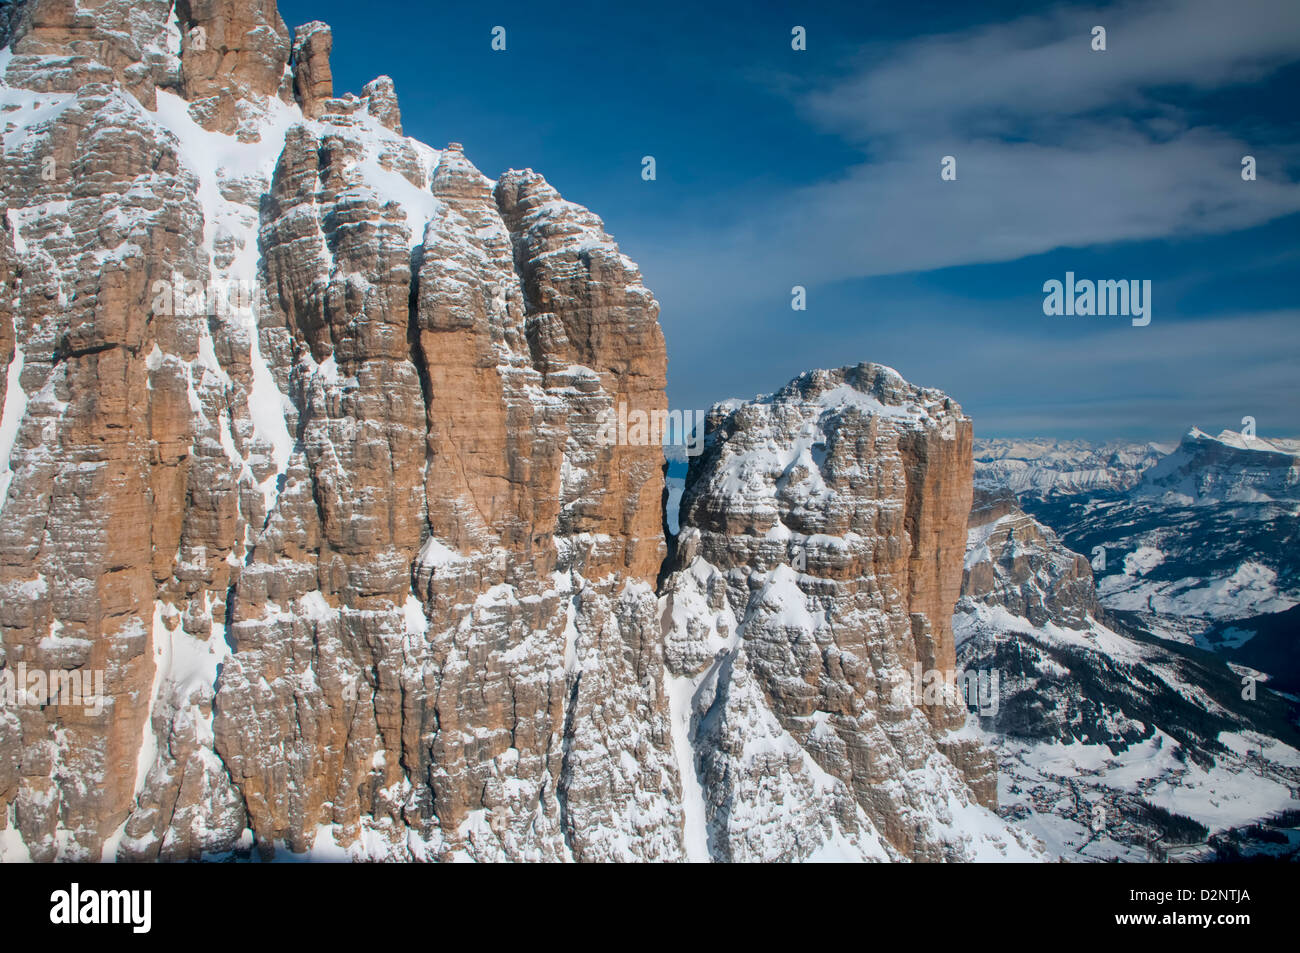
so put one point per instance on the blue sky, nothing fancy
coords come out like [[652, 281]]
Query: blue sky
[[820, 168]]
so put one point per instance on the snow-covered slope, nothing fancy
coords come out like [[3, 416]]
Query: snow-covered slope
[[1109, 744], [1048, 468], [1229, 468], [816, 568]]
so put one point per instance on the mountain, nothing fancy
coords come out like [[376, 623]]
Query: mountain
[[1229, 468], [1112, 744], [1205, 537], [316, 540], [1051, 468], [301, 451], [813, 580], [308, 471]]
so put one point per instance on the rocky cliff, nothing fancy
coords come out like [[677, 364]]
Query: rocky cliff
[[1015, 562], [302, 452], [300, 445], [823, 531]]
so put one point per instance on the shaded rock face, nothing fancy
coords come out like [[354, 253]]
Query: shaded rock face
[[817, 566], [355, 567], [1016, 562], [1029, 610]]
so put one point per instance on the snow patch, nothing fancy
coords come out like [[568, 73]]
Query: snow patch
[[14, 409]]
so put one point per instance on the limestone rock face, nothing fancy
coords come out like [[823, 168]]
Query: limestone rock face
[[313, 83], [819, 559], [8, 290], [59, 45], [226, 58], [1019, 564], [306, 464], [101, 407], [233, 54]]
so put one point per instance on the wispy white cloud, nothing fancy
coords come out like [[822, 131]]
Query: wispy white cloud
[[1042, 68], [1056, 146], [1100, 377]]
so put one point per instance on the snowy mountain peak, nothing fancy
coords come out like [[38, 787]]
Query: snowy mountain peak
[[815, 573], [1242, 441], [873, 388], [1231, 467]]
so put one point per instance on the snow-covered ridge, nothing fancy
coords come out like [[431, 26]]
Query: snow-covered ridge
[[810, 411], [1046, 468], [872, 388], [1098, 733], [1230, 468]]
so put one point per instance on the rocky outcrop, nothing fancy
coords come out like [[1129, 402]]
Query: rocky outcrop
[[313, 83], [102, 208], [226, 58], [1016, 562], [234, 54], [381, 102], [61, 45], [818, 562]]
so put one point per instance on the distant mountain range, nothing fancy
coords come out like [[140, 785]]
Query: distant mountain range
[[1148, 685], [1047, 468], [1112, 744], [1205, 535]]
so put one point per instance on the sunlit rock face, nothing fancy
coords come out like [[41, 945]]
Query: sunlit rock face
[[304, 454], [820, 556], [304, 458]]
